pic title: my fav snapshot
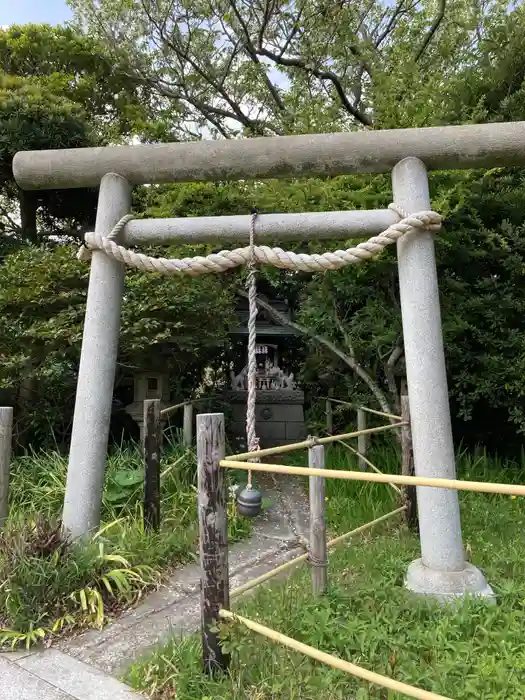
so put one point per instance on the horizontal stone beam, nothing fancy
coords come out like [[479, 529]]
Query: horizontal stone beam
[[440, 148], [331, 224]]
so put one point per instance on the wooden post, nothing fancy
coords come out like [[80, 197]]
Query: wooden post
[[329, 417], [213, 536], [151, 451], [318, 549], [362, 440], [407, 464], [6, 436], [187, 431]]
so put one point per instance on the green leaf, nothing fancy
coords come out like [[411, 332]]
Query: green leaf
[[129, 477]]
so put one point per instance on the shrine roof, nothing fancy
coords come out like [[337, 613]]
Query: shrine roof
[[264, 329]]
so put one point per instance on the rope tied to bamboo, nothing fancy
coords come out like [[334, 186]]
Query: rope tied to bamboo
[[419, 222], [316, 562]]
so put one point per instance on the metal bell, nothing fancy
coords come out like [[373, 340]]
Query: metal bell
[[249, 502]]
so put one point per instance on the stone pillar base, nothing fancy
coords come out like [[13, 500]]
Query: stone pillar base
[[447, 585]]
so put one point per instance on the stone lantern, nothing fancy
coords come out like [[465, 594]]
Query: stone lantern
[[148, 385]]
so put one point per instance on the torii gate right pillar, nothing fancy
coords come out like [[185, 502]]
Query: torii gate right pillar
[[442, 571]]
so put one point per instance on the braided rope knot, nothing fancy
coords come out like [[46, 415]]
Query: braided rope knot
[[84, 252], [418, 222], [315, 561]]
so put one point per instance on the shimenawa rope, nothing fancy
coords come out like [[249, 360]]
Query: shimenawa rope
[[227, 259]]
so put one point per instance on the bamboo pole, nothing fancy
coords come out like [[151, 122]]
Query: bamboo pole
[[363, 528], [244, 456], [380, 413], [187, 432], [362, 440], [451, 484], [318, 555], [303, 557], [333, 661], [170, 409], [364, 408], [6, 438], [367, 461]]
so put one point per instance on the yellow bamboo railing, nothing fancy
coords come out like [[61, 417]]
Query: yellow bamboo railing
[[399, 479], [333, 661]]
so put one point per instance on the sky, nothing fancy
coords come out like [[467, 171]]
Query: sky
[[36, 11]]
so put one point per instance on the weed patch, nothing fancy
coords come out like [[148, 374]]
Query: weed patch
[[50, 585], [470, 650]]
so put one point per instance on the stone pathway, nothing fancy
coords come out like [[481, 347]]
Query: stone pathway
[[54, 675], [85, 667]]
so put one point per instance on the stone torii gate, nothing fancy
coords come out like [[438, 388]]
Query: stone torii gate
[[407, 153]]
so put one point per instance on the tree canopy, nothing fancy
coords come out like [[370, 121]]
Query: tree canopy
[[234, 67], [58, 89], [178, 70]]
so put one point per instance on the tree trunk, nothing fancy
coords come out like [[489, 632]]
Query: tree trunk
[[28, 207], [395, 356], [407, 463]]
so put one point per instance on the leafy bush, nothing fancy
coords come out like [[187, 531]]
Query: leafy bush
[[49, 584]]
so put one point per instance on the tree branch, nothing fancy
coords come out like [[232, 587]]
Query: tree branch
[[396, 354], [216, 123], [204, 108], [399, 9], [291, 36], [184, 54], [433, 29], [321, 340], [16, 228], [269, 9], [252, 53], [297, 62], [346, 336]]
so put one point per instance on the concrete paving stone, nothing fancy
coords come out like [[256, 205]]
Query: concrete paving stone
[[159, 605], [82, 672], [117, 649], [15, 656], [74, 678], [17, 683]]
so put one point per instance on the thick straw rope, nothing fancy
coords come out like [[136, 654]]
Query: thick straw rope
[[227, 259]]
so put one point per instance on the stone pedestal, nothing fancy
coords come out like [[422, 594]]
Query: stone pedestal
[[279, 416], [447, 585]]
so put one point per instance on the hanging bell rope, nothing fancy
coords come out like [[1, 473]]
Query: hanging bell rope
[[249, 500]]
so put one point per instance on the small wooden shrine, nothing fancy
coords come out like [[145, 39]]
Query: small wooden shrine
[[280, 402]]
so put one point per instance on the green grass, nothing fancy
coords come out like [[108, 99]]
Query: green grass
[[468, 651], [48, 586]]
